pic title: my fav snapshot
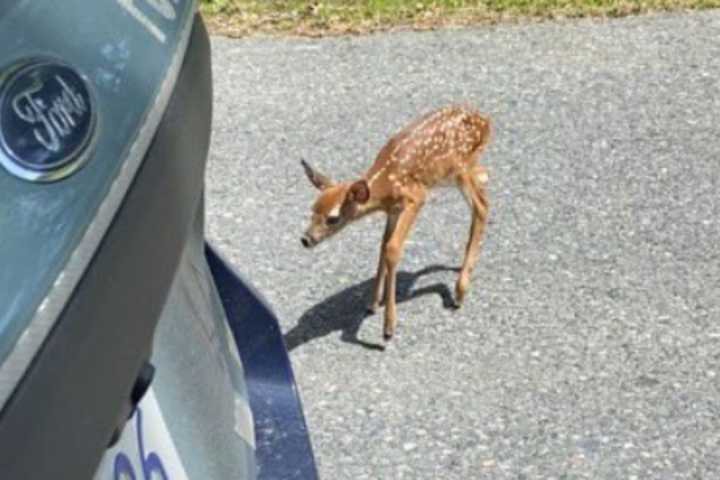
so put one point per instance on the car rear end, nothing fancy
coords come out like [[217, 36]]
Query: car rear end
[[128, 347]]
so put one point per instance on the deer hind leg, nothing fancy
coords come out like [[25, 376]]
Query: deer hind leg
[[472, 185], [393, 253], [377, 291]]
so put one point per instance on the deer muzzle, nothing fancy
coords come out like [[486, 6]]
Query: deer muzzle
[[308, 241]]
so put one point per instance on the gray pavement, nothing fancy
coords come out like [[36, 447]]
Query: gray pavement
[[589, 344]]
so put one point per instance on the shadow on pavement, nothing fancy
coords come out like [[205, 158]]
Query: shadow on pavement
[[346, 310]]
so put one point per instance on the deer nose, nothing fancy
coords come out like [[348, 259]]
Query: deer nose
[[306, 242]]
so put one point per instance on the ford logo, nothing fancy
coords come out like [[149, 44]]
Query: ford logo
[[47, 120]]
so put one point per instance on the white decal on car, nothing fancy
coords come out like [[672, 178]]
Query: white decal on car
[[145, 450], [165, 8]]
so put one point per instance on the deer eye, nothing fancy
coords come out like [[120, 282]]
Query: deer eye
[[333, 220]]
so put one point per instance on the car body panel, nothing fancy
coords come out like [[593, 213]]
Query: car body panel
[[79, 385], [106, 275], [50, 231], [199, 386]]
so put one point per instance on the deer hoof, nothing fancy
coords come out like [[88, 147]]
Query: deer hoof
[[388, 333]]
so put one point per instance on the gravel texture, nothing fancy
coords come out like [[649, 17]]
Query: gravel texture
[[589, 343]]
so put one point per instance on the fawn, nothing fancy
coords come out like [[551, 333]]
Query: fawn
[[440, 147]]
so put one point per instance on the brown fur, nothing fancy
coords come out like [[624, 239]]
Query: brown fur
[[439, 147]]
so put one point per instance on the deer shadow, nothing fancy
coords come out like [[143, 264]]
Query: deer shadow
[[346, 310]]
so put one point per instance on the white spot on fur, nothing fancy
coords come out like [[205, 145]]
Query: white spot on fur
[[483, 177]]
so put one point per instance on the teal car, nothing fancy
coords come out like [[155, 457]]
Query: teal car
[[129, 348]]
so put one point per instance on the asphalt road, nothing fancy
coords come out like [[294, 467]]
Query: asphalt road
[[589, 344]]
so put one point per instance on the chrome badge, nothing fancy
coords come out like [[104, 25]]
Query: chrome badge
[[47, 120]]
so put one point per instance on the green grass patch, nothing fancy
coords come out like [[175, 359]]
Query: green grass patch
[[246, 17]]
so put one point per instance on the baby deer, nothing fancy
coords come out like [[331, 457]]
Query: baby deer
[[440, 147]]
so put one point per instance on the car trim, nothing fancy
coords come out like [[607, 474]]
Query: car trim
[[283, 448], [73, 161], [49, 309]]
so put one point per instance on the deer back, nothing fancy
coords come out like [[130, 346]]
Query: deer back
[[435, 148]]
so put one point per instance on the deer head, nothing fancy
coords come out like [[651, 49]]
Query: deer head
[[337, 205]]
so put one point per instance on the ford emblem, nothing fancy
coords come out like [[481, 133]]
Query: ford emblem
[[47, 120]]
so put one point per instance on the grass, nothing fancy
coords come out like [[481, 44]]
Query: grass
[[314, 18]]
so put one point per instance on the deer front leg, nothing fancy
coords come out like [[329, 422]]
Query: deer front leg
[[393, 253], [377, 292]]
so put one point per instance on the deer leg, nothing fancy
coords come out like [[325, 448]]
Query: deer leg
[[476, 195], [377, 292], [393, 253]]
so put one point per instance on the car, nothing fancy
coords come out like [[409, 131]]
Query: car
[[130, 348]]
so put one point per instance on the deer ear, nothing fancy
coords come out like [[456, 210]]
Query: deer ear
[[359, 192], [320, 181]]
